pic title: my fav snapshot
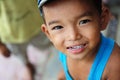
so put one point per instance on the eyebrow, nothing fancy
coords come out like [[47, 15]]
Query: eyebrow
[[89, 13], [52, 22]]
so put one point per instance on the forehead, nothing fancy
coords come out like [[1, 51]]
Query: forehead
[[67, 7]]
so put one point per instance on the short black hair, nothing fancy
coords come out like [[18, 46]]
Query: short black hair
[[98, 5]]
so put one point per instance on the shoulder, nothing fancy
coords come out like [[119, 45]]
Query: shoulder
[[113, 65], [115, 57]]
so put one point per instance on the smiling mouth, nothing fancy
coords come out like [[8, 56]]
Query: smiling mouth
[[77, 47]]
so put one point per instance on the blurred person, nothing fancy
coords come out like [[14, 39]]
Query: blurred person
[[11, 67], [19, 27]]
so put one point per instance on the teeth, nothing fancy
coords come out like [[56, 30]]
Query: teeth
[[77, 47]]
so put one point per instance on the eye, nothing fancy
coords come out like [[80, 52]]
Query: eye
[[84, 21], [57, 27]]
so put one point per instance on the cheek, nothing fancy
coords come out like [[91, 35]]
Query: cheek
[[58, 41], [94, 40], [93, 35]]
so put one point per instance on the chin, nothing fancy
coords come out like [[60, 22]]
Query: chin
[[77, 57]]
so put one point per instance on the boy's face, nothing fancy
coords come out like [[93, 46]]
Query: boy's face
[[73, 26]]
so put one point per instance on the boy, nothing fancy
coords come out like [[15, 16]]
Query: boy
[[74, 27]]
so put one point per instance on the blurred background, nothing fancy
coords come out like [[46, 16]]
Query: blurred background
[[113, 29], [20, 23]]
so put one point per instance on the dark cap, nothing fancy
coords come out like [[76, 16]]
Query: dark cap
[[42, 2]]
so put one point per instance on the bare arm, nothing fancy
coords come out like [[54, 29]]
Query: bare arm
[[114, 64]]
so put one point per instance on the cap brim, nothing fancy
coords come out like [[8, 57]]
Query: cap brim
[[42, 3]]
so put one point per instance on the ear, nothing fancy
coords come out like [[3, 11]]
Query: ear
[[46, 31], [105, 17]]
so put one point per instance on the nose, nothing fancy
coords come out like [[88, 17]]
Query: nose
[[74, 34]]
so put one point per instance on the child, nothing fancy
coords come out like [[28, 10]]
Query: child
[[74, 27], [11, 68]]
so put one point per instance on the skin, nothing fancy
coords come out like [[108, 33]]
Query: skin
[[61, 75], [71, 25]]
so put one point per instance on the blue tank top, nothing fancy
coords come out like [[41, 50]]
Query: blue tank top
[[99, 63]]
